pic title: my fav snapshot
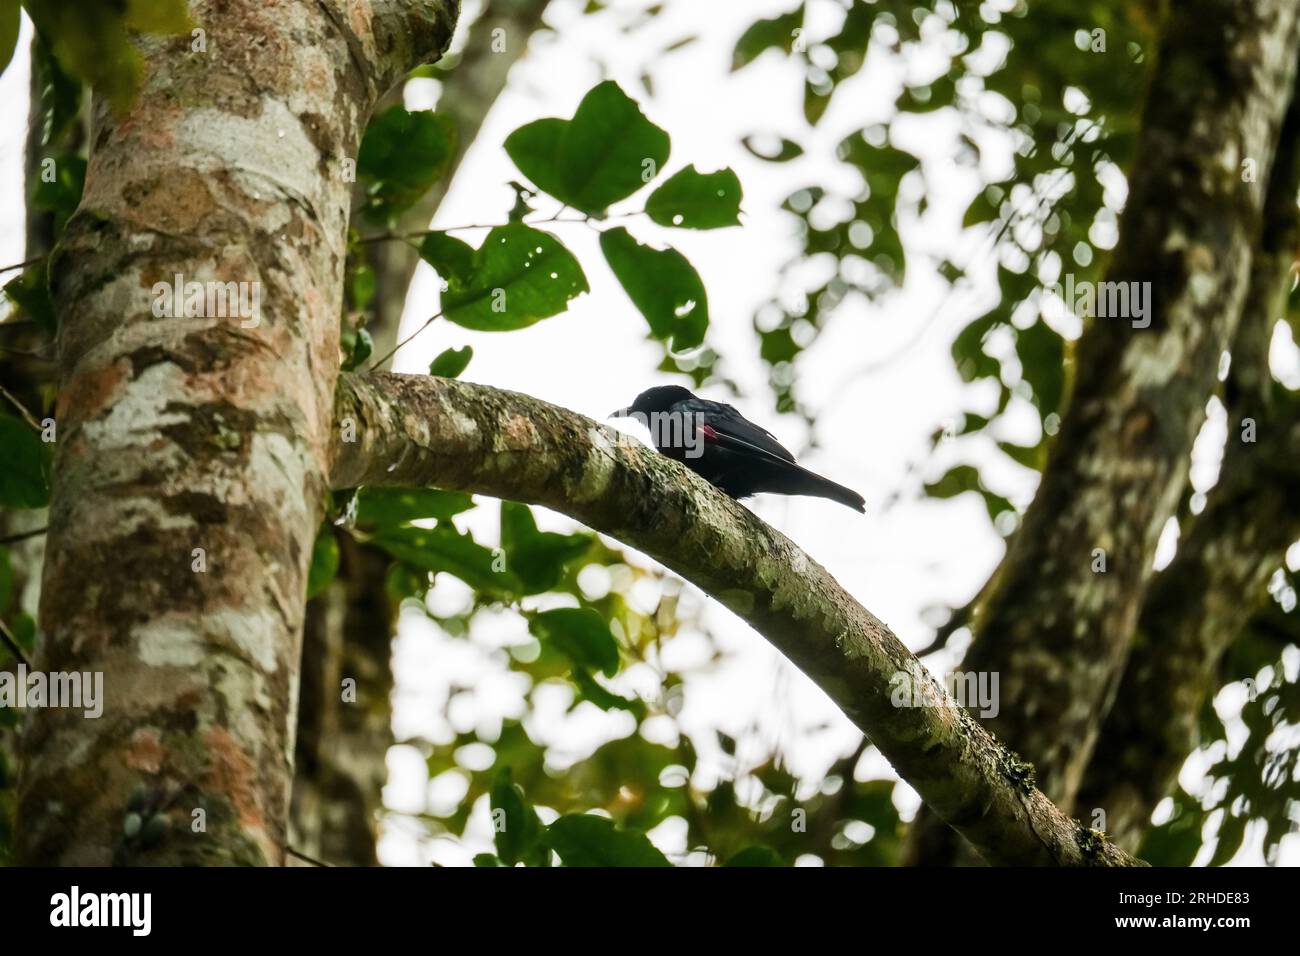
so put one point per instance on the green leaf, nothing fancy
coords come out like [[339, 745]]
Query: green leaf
[[157, 16], [9, 23], [324, 561], [451, 258], [517, 277], [589, 689], [581, 634], [90, 39], [695, 200], [357, 347], [756, 856], [451, 362], [583, 839], [1031, 456], [537, 557], [958, 479], [402, 155], [535, 149], [30, 292], [25, 478], [786, 149], [486, 860], [608, 151], [361, 286], [1042, 360], [968, 349], [390, 507], [777, 33], [519, 832], [663, 286], [60, 99], [445, 549]]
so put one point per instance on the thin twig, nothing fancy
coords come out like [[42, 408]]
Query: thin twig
[[11, 642], [23, 536], [21, 265], [557, 218], [290, 851], [22, 409], [394, 349]]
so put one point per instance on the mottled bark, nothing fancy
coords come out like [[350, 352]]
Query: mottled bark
[[1202, 602], [192, 456], [1056, 630], [339, 773], [417, 430]]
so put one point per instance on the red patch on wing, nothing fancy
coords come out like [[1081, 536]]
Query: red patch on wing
[[709, 433]]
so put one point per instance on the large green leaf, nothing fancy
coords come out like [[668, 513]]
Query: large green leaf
[[695, 200], [1042, 361], [537, 557], [9, 23], [389, 507], [517, 277], [605, 153], [402, 154], [663, 286], [25, 477], [583, 839], [581, 634], [445, 549], [518, 831]]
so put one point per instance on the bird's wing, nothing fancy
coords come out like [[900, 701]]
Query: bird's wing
[[733, 430]]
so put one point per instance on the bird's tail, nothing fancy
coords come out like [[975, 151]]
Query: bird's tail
[[819, 487]]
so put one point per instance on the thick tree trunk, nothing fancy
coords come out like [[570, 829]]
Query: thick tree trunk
[[341, 748], [1056, 627], [192, 454]]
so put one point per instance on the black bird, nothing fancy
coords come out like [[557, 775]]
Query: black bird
[[726, 449]]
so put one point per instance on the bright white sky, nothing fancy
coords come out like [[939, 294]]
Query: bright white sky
[[906, 554]]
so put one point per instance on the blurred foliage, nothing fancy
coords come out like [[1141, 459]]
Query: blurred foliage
[[1251, 795], [1062, 83]]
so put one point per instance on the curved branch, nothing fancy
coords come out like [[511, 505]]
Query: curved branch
[[415, 430]]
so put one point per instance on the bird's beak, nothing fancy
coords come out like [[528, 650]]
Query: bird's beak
[[618, 413]]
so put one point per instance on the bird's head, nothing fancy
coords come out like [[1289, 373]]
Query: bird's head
[[657, 399]]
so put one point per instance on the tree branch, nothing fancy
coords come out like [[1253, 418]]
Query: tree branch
[[415, 430]]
